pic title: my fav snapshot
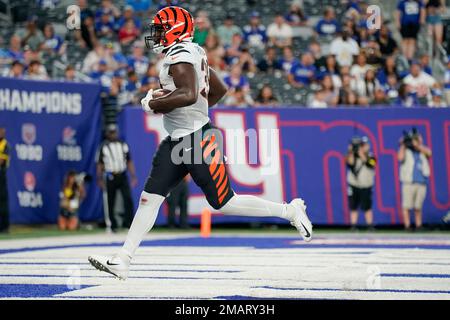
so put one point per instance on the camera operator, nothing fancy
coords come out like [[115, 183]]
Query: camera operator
[[414, 173], [360, 178]]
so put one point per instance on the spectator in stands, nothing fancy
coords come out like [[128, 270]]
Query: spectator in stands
[[347, 96], [360, 179], [85, 11], [215, 52], [288, 60], [296, 17], [71, 195], [108, 8], [328, 25], [128, 32], [414, 157], [202, 28], [318, 100], [373, 54], [36, 71], [359, 69], [437, 100], [266, 97], [16, 70], [303, 73], [386, 70], [387, 44], [434, 11], [239, 98], [102, 76], [128, 14], [391, 88], [237, 53], [53, 44], [410, 15], [255, 33], [70, 74], [316, 50], [279, 32], [150, 80], [86, 36], [137, 60], [380, 98], [424, 61], [269, 63], [15, 51], [104, 27], [344, 48], [420, 83], [365, 88], [329, 92], [330, 67], [237, 80], [227, 30], [406, 98], [31, 36]]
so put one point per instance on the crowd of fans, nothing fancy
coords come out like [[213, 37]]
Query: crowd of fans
[[357, 66]]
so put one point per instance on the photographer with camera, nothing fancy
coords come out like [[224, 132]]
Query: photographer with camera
[[414, 174], [360, 179]]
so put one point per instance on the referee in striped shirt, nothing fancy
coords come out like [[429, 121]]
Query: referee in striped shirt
[[113, 161]]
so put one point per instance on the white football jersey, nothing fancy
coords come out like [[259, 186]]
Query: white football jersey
[[183, 121]]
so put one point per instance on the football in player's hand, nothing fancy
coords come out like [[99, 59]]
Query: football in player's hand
[[160, 93]]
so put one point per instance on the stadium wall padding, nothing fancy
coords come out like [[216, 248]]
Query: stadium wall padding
[[308, 155], [51, 127]]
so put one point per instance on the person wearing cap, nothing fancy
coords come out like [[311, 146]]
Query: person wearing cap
[[255, 33], [360, 179], [113, 160], [420, 83], [4, 163], [227, 30], [414, 171]]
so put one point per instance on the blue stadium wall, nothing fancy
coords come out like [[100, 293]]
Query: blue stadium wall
[[299, 152]]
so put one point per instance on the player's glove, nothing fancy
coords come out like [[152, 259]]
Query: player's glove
[[145, 101]]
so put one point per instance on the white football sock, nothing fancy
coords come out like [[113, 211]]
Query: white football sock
[[143, 221], [251, 206]]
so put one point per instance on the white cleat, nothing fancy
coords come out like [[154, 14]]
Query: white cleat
[[301, 220], [113, 265]]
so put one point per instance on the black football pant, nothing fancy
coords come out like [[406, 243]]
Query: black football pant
[[201, 155]]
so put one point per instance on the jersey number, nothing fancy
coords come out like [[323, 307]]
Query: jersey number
[[205, 70]]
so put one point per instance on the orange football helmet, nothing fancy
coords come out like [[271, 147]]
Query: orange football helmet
[[170, 25]]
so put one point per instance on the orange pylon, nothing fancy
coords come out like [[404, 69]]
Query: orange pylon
[[205, 223]]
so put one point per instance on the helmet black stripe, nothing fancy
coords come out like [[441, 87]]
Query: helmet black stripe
[[185, 22], [174, 14], [167, 15]]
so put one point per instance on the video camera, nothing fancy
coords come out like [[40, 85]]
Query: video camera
[[409, 136], [357, 142]]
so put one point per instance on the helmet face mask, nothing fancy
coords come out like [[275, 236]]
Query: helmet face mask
[[170, 25], [155, 41]]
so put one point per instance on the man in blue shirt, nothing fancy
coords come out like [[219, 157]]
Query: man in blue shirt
[[410, 15], [255, 33], [328, 25], [303, 73], [414, 173]]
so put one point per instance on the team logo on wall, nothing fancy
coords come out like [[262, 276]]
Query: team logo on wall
[[29, 133], [69, 150], [28, 198], [28, 150]]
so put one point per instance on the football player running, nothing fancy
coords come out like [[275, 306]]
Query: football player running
[[194, 145]]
